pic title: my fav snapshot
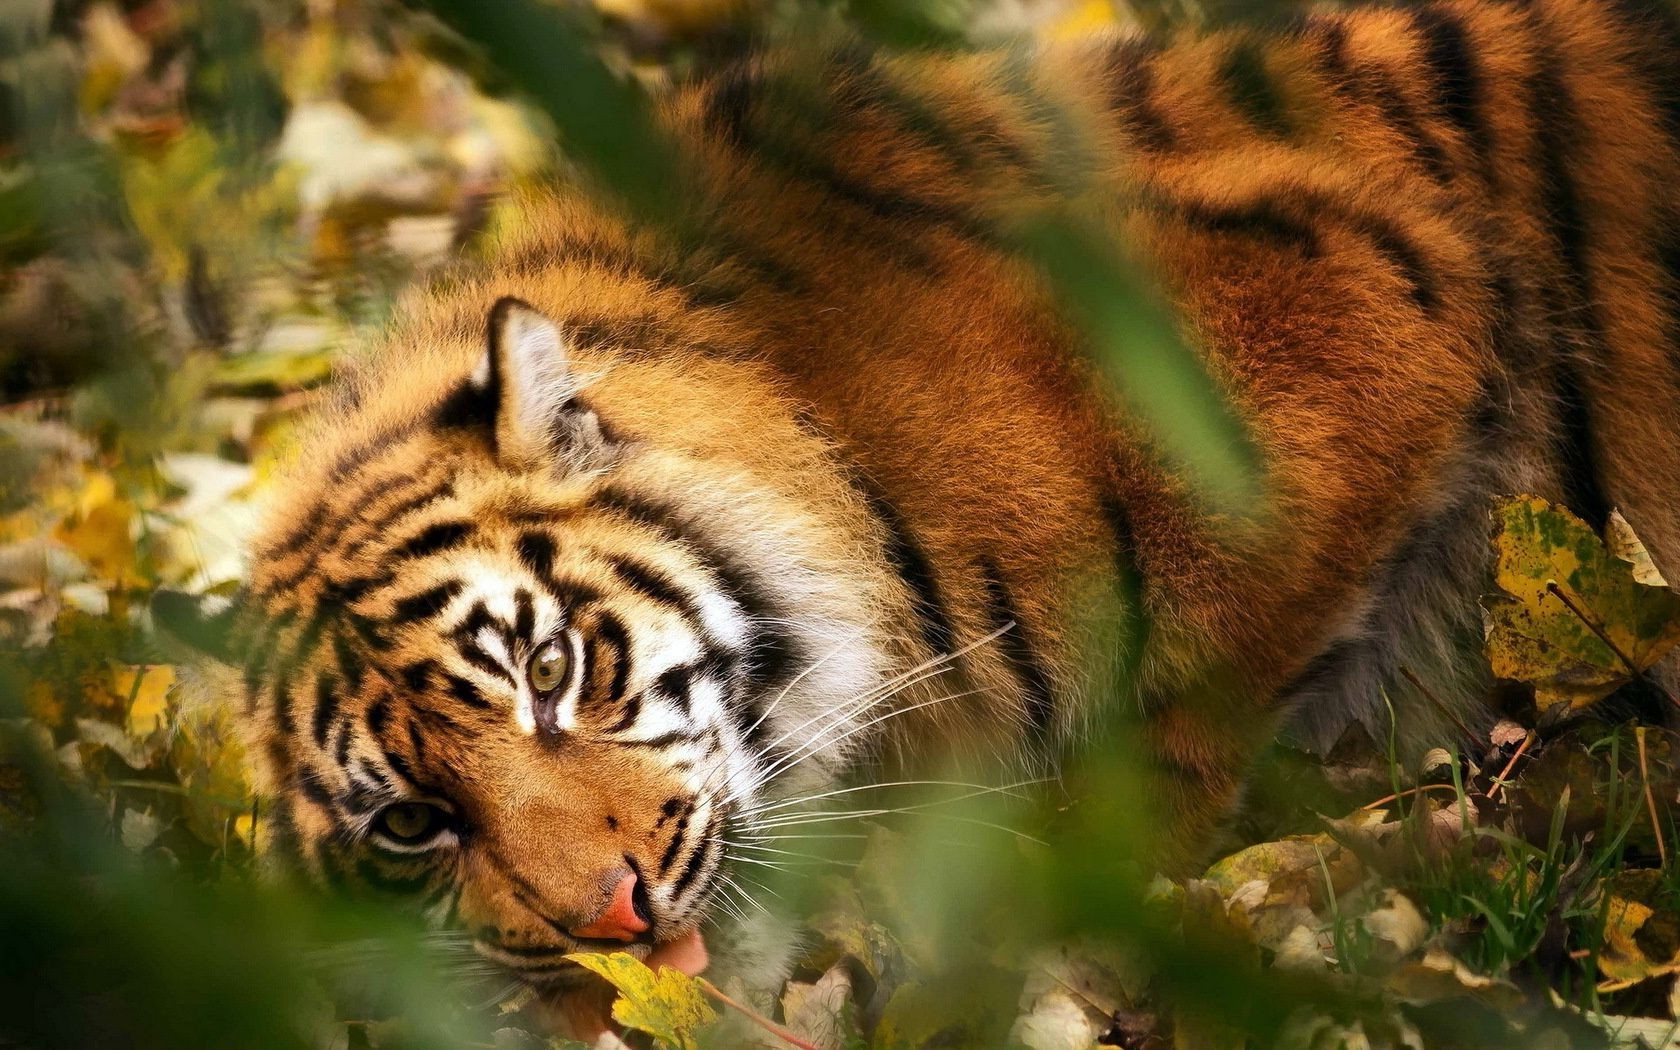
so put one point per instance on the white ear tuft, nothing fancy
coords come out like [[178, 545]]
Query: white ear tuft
[[531, 380]]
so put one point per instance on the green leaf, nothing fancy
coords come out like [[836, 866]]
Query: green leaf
[[1132, 336], [666, 1004], [1570, 618]]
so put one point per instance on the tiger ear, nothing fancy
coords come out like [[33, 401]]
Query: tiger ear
[[202, 623], [527, 377]]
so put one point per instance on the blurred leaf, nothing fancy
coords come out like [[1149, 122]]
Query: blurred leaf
[[273, 372], [99, 528], [1132, 336], [971, 1007], [666, 1004], [1560, 589]]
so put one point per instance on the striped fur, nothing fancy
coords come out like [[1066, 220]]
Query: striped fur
[[1432, 254]]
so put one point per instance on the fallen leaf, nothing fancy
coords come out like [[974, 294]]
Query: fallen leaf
[[1549, 560], [666, 1003], [1641, 930], [822, 1012], [99, 529], [1626, 545]]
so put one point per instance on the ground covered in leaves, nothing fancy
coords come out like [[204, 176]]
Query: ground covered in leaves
[[200, 208]]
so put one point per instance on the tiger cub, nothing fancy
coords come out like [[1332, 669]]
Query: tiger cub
[[616, 542]]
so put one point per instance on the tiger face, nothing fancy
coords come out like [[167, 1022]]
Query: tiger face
[[528, 667]]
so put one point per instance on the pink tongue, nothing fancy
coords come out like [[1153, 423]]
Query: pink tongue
[[686, 954]]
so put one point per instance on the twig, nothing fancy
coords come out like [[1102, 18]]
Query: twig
[[1440, 705], [753, 1015], [1650, 801], [1592, 625], [1499, 781], [1386, 799]]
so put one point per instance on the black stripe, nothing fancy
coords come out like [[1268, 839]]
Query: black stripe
[[1653, 28], [349, 664], [466, 692], [772, 652], [663, 740], [417, 676], [1374, 87], [537, 550], [312, 789], [1250, 88], [695, 860], [301, 533], [911, 563], [426, 604], [283, 702], [1274, 220], [434, 539], [1574, 301], [1262, 219], [343, 593], [674, 685], [610, 632], [416, 741], [400, 768], [1458, 83], [656, 584], [1131, 87], [525, 616], [669, 857], [326, 708], [379, 715], [728, 113], [466, 407], [1016, 644], [341, 744], [1129, 582], [474, 654]]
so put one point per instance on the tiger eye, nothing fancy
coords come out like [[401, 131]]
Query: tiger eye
[[410, 822], [548, 667]]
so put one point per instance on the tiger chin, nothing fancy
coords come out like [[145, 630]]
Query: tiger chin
[[613, 544]]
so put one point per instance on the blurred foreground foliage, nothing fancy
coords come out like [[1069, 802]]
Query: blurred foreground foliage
[[200, 206]]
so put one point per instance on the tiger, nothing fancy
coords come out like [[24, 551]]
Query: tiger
[[617, 539]]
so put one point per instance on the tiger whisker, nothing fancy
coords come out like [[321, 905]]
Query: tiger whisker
[[933, 665], [1005, 789], [794, 761], [785, 803]]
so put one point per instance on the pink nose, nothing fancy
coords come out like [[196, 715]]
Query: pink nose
[[620, 920]]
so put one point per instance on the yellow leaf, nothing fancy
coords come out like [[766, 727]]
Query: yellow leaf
[[1641, 931], [1570, 618], [209, 760], [99, 528], [149, 686], [666, 1004]]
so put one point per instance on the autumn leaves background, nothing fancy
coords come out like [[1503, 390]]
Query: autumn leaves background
[[200, 207]]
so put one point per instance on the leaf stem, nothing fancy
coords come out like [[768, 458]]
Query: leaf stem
[[1592, 625], [755, 1017], [1499, 781], [1650, 801], [1440, 705]]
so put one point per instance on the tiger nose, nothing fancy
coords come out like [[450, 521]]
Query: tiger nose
[[622, 919]]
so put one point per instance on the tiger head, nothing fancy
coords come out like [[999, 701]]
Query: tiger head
[[532, 633]]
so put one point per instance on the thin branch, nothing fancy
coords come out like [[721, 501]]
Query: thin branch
[[755, 1017]]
